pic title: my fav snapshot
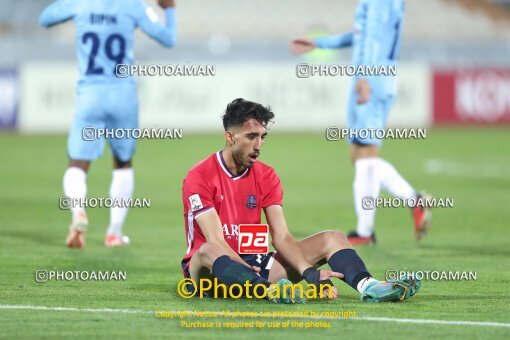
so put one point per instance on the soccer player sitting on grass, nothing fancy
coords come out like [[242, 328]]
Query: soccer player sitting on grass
[[231, 187]]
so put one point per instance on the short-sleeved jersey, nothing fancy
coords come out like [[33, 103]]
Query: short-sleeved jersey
[[375, 39], [377, 32], [237, 199], [105, 33]]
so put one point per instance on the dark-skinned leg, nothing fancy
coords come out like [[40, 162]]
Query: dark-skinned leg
[[118, 164], [84, 165], [359, 151]]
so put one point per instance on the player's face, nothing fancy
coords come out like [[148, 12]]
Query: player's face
[[247, 143]]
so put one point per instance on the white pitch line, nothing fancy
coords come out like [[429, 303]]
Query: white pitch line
[[71, 309], [363, 318], [466, 169], [437, 322]]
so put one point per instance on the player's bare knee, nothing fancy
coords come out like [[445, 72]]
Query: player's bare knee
[[335, 240], [209, 252], [84, 165], [118, 164], [204, 250]]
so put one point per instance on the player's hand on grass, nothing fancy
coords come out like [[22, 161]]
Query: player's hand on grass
[[363, 90], [302, 45], [326, 275], [326, 294], [319, 278], [166, 3]]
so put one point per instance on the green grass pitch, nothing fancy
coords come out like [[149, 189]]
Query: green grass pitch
[[474, 170]]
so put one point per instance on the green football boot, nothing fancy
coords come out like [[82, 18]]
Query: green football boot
[[391, 290], [289, 293]]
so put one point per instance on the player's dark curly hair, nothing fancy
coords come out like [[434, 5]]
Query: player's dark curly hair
[[241, 110]]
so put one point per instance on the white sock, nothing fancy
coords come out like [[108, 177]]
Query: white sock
[[75, 187], [393, 182], [122, 186], [366, 184], [363, 284]]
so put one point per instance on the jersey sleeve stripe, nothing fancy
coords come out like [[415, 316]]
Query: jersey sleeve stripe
[[203, 211]]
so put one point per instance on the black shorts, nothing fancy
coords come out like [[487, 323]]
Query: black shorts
[[264, 261]]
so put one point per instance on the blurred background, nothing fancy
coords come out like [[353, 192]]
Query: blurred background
[[455, 65]]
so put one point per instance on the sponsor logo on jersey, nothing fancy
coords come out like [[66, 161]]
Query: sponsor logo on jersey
[[253, 239], [230, 231]]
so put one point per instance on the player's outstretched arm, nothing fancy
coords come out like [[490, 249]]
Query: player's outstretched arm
[[289, 248], [57, 13], [304, 45], [210, 224], [148, 22], [335, 41]]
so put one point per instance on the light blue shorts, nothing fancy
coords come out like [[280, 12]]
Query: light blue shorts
[[371, 115], [103, 106]]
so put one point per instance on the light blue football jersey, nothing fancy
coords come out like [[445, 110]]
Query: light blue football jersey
[[377, 32], [375, 39], [105, 33]]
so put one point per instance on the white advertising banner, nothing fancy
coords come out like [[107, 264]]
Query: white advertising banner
[[195, 103]]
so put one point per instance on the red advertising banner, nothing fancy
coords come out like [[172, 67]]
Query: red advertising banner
[[479, 96]]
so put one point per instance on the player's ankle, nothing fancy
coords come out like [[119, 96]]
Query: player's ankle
[[365, 283]]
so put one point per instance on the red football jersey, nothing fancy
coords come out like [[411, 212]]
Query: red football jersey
[[237, 199]]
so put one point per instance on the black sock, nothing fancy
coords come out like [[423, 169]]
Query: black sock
[[347, 262], [228, 271]]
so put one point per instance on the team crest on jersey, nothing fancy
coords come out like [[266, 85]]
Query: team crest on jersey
[[196, 203], [251, 201]]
